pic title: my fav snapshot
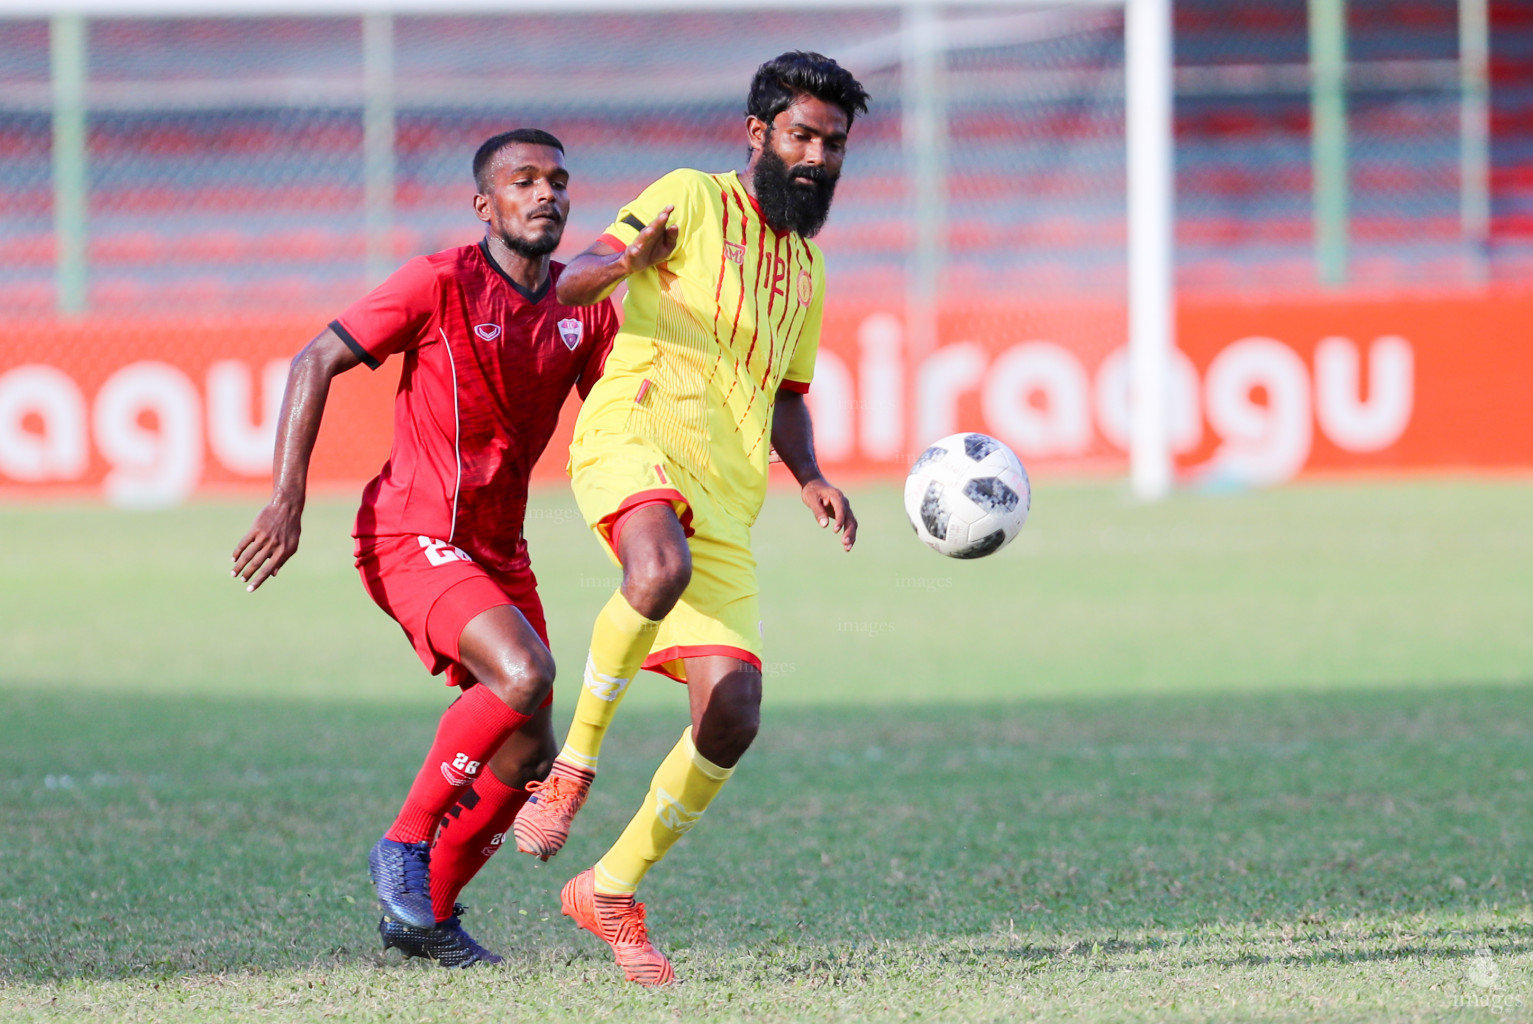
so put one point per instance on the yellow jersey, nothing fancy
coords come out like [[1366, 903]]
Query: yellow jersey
[[710, 335]]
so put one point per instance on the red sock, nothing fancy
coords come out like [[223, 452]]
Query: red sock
[[472, 728], [471, 832]]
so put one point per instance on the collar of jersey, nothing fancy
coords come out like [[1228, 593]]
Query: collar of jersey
[[750, 198], [532, 297]]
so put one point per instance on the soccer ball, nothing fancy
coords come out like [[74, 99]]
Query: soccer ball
[[967, 496]]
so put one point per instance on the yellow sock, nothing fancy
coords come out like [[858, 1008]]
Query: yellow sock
[[680, 792], [619, 641]]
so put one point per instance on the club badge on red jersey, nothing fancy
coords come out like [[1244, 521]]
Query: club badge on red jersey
[[570, 330]]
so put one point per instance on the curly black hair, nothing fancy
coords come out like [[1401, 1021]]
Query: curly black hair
[[798, 72]]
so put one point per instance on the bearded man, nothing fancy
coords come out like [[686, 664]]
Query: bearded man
[[669, 465]]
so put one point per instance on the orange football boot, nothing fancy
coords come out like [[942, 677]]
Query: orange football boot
[[543, 823], [619, 922]]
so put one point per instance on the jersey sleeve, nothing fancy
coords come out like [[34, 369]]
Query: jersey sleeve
[[606, 325], [681, 189], [801, 367], [393, 316]]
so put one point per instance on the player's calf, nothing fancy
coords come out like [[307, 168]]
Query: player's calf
[[471, 730]]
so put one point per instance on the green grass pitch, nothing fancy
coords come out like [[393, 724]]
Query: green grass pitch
[[1250, 757]]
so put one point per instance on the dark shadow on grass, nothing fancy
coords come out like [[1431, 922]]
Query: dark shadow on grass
[[149, 837], [1338, 957]]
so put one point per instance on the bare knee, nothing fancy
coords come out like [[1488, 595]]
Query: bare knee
[[522, 679], [728, 724], [737, 732], [503, 652], [655, 576]]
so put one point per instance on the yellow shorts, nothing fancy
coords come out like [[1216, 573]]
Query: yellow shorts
[[719, 612]]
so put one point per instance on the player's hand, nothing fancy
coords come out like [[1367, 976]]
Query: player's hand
[[654, 243], [829, 506], [269, 544]]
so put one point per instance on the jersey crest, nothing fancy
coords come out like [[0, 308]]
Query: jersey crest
[[571, 330]]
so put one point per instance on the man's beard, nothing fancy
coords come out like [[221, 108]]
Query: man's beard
[[535, 246], [784, 202]]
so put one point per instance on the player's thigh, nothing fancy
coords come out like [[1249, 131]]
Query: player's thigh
[[719, 614], [613, 473], [529, 754], [495, 632], [432, 589], [500, 649]]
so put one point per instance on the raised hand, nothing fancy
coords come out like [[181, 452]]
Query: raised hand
[[654, 244]]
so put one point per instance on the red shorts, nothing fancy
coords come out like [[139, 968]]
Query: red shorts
[[433, 590]]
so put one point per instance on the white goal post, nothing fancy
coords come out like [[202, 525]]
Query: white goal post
[[1148, 88]]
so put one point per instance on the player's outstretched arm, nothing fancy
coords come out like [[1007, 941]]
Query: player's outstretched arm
[[273, 538], [595, 273], [793, 440]]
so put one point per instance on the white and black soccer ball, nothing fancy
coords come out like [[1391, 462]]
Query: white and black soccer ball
[[967, 496]]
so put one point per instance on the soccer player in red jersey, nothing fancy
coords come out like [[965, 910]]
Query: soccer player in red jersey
[[489, 356]]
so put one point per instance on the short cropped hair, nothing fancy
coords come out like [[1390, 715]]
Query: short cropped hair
[[485, 155], [782, 79]]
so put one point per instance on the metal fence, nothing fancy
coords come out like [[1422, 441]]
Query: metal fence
[[173, 165]]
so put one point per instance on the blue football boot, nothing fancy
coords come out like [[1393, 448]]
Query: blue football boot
[[401, 872], [447, 943]]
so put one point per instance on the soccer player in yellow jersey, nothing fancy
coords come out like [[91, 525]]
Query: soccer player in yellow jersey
[[669, 464]]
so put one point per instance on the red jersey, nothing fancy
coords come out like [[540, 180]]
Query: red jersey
[[487, 366]]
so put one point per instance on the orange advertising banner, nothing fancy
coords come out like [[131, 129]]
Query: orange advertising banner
[[148, 413], [1378, 384]]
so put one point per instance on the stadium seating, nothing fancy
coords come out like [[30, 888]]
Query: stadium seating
[[249, 203]]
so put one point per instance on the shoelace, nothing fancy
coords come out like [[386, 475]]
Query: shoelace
[[555, 790], [417, 865], [633, 916]]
